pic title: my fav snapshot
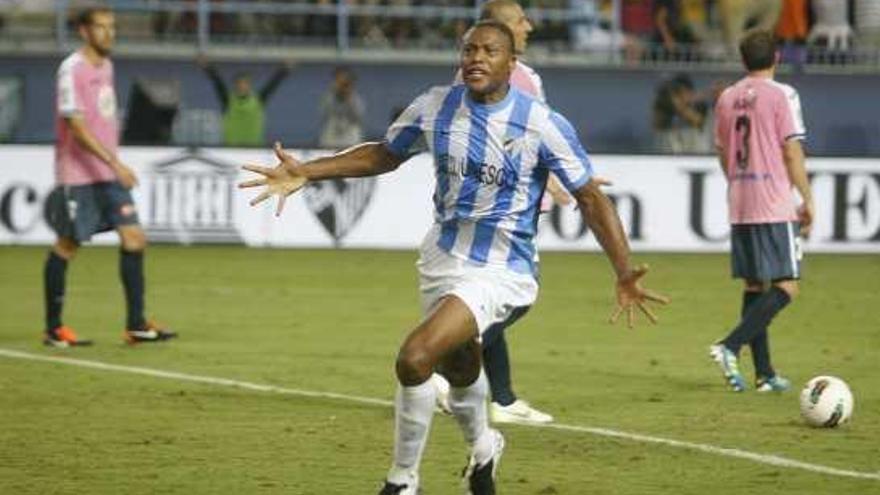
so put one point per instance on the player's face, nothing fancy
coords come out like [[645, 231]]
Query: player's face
[[517, 21], [486, 61], [100, 34]]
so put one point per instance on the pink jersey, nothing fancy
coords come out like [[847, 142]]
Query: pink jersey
[[525, 79], [85, 90], [753, 120]]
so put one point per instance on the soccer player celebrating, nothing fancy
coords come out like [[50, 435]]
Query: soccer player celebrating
[[493, 148], [758, 133], [93, 184], [505, 407]]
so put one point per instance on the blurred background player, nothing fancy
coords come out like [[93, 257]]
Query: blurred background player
[[244, 112], [93, 184], [505, 407], [758, 132], [477, 262], [342, 112]]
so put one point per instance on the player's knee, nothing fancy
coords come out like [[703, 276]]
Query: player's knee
[[755, 286], [461, 376], [790, 287], [462, 366], [134, 241], [414, 365], [66, 248]]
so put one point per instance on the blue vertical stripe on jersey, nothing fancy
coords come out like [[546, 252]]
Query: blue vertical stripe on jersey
[[404, 140], [476, 155], [522, 243], [571, 139], [470, 183], [484, 233], [442, 124]]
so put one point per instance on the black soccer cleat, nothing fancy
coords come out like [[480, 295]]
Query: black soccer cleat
[[392, 489], [150, 332], [480, 480]]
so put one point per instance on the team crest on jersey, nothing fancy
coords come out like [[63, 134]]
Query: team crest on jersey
[[340, 203], [107, 102], [513, 146]]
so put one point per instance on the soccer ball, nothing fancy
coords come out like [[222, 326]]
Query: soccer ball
[[826, 401]]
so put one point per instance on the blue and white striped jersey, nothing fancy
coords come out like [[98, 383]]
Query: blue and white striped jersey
[[491, 165]]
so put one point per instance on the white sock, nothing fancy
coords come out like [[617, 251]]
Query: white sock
[[469, 407], [441, 384], [413, 410]]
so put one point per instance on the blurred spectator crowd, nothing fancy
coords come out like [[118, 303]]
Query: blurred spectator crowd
[[638, 30]]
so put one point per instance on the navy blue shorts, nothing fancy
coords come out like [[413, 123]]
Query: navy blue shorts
[[79, 212], [766, 251]]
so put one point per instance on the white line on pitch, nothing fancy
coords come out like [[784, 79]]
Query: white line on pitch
[[772, 460]]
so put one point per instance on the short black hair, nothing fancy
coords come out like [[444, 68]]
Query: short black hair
[[498, 26], [758, 50], [87, 15]]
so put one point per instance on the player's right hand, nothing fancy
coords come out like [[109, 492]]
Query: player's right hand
[[126, 175], [282, 181], [631, 295]]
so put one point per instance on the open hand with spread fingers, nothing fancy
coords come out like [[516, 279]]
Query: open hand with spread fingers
[[631, 295], [282, 181]]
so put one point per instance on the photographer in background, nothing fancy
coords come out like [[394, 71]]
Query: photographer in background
[[679, 117], [342, 112]]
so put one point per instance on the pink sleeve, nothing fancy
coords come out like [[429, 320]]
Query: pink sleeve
[[784, 124], [789, 122], [720, 124]]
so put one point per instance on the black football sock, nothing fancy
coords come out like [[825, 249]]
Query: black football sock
[[757, 318], [131, 270], [54, 275], [760, 345], [496, 362]]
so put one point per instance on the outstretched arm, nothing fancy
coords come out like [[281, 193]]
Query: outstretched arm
[[362, 160], [216, 81], [272, 84], [290, 175], [601, 216]]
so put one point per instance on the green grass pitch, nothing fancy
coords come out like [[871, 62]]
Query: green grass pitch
[[331, 321]]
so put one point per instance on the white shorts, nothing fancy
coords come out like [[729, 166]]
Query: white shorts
[[491, 293]]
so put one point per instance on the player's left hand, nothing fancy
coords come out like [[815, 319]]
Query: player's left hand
[[631, 295], [282, 181], [125, 175]]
